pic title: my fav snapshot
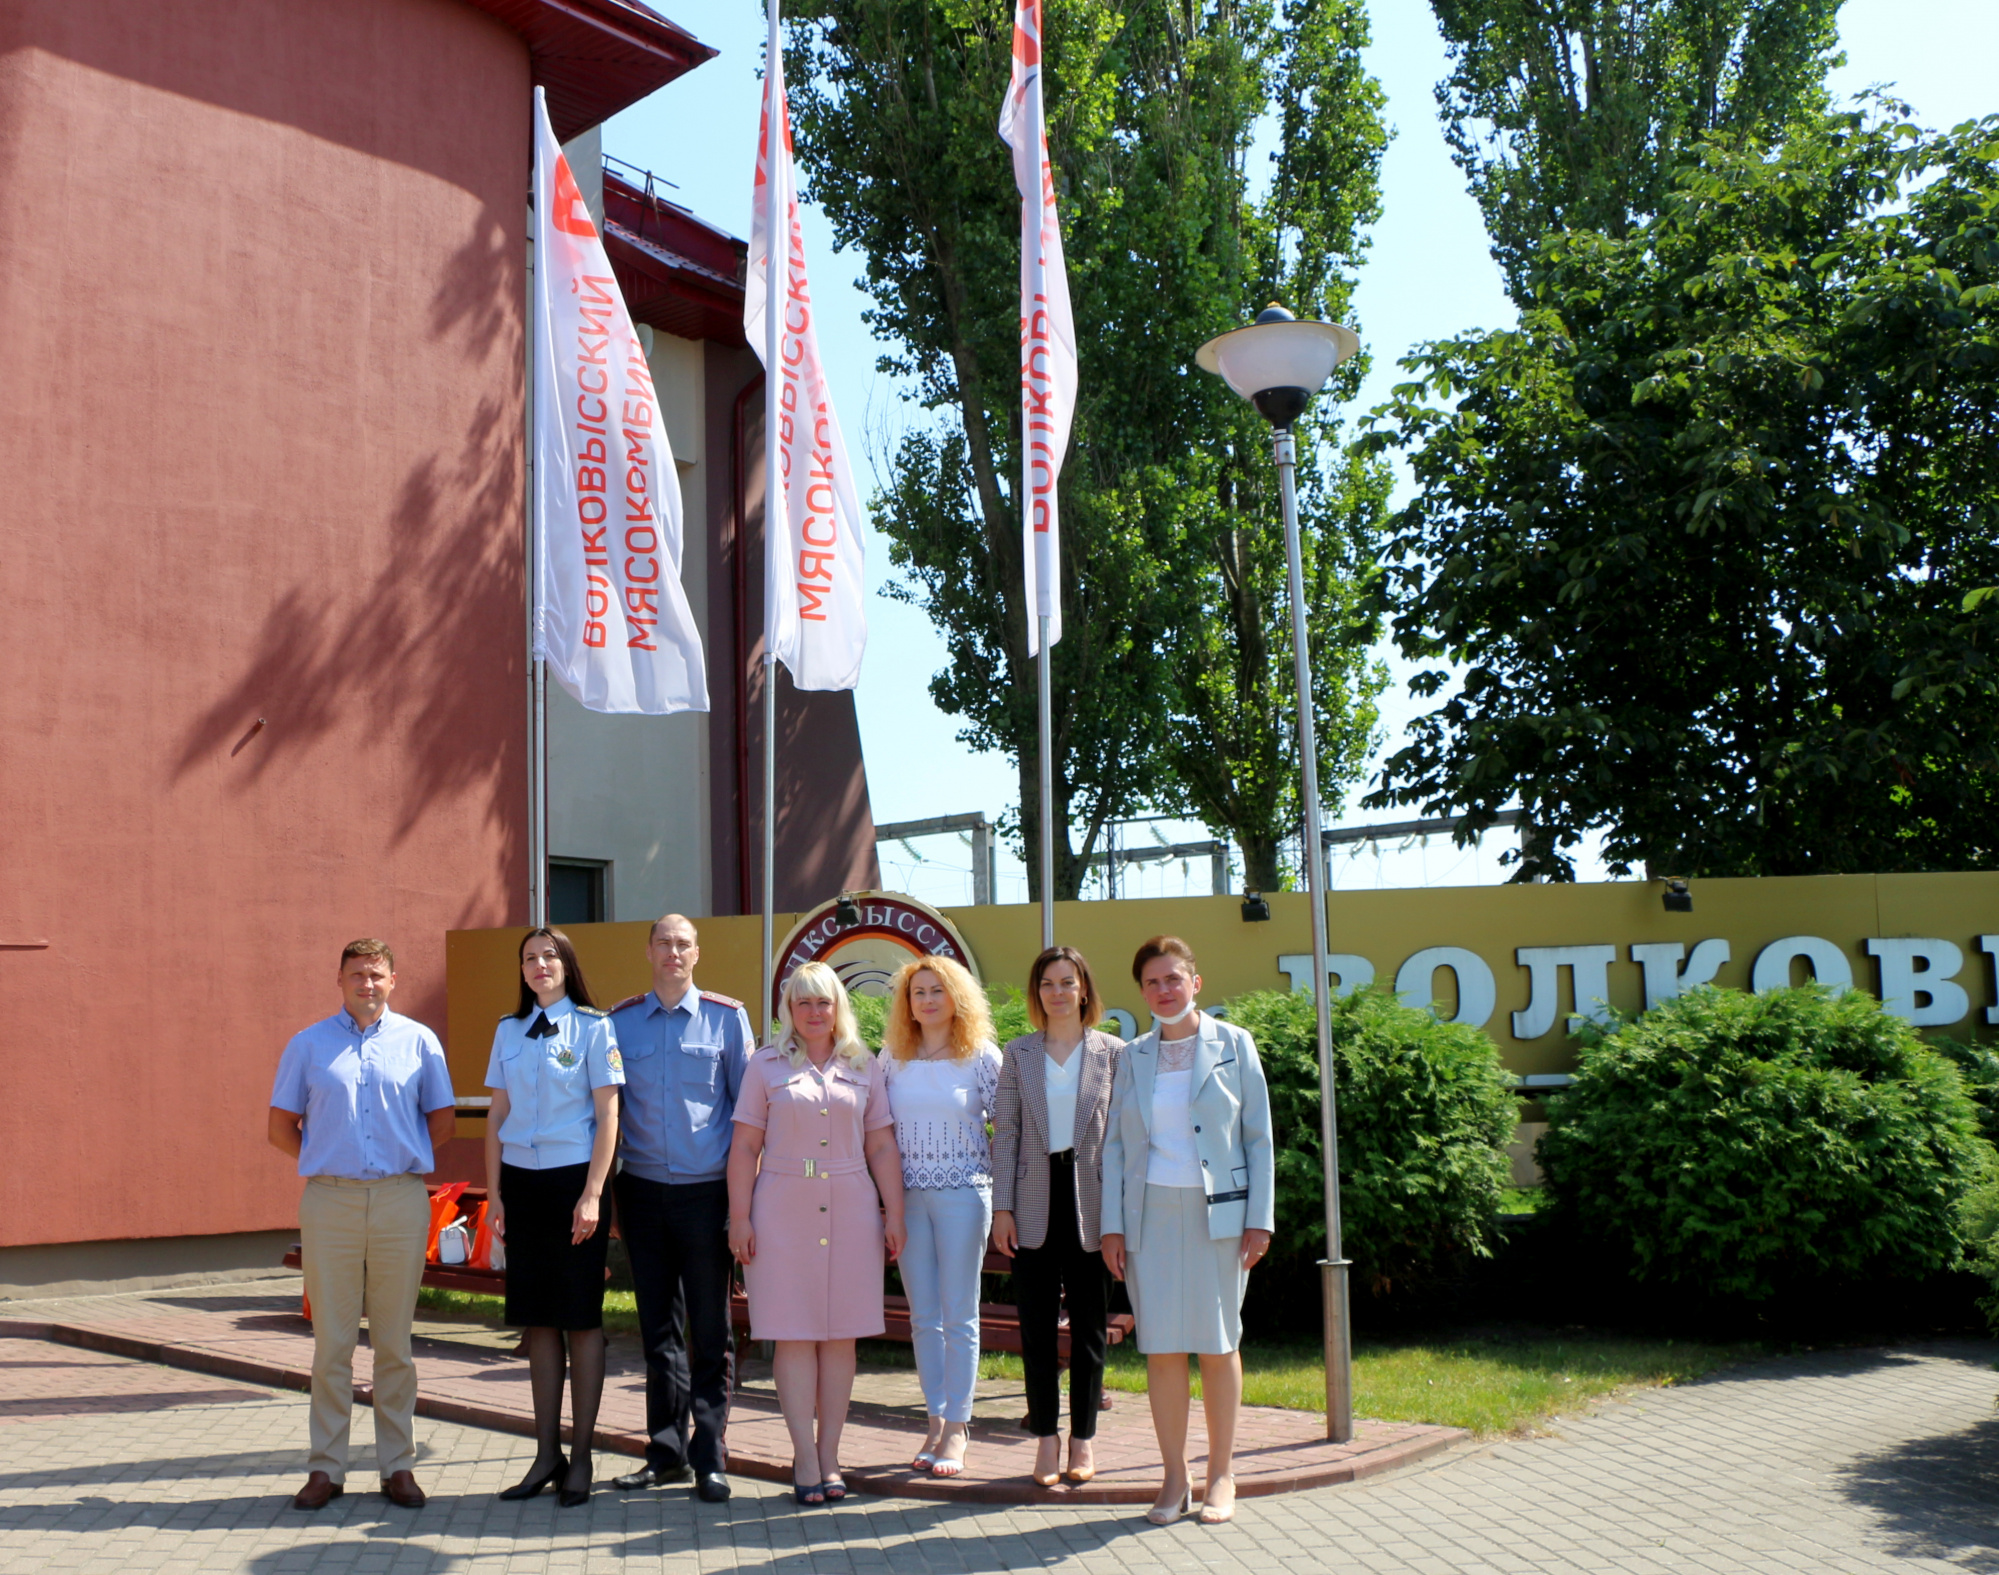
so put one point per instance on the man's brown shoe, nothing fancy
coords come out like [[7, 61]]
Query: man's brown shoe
[[400, 1488], [319, 1490]]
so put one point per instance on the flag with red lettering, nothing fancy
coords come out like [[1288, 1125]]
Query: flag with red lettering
[[815, 619], [610, 616], [1047, 328]]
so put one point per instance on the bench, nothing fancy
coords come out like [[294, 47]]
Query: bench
[[999, 1324]]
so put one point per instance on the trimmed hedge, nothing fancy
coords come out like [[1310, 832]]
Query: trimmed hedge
[[1745, 1145], [1425, 1111]]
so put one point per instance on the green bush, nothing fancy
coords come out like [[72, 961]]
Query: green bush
[[1009, 1009], [1978, 1065], [871, 1014], [1978, 1224], [1750, 1144], [1425, 1111]]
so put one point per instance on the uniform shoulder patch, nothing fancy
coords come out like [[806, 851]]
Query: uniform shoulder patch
[[719, 999], [631, 1000], [593, 1011]]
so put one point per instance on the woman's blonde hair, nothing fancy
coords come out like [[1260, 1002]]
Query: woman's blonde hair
[[971, 1018], [817, 982]]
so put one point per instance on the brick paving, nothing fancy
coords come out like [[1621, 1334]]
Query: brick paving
[[1848, 1461], [468, 1374]]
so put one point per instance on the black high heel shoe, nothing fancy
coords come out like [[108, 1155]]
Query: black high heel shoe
[[534, 1481], [569, 1497]]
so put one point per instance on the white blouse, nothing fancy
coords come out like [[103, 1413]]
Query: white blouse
[[1172, 1160], [942, 1110], [1059, 1082]]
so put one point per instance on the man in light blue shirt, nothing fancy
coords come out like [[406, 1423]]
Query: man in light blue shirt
[[684, 1051], [361, 1100]]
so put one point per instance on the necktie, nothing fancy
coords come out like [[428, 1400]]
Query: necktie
[[542, 1028]]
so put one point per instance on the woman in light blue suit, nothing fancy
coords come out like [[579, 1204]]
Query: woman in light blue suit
[[1189, 1204]]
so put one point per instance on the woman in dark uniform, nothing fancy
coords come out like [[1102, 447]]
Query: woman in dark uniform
[[550, 1137]]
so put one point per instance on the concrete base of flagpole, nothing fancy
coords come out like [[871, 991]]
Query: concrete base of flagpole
[[1333, 1289]]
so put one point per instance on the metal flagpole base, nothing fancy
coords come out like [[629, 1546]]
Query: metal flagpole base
[[1339, 1349]]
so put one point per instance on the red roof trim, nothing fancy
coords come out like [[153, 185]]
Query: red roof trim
[[596, 57], [678, 273]]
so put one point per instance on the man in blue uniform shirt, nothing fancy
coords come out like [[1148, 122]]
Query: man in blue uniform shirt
[[360, 1101], [685, 1050]]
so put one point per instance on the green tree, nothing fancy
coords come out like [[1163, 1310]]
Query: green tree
[[1172, 608], [1573, 114], [1698, 533]]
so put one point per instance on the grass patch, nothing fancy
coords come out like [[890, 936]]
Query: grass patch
[[621, 1308], [1488, 1383]]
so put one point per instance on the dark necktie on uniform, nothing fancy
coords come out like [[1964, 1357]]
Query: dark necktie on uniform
[[542, 1028]]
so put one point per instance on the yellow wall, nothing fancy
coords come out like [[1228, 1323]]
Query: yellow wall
[[1385, 927]]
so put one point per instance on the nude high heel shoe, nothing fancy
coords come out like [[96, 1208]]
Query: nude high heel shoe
[[1213, 1514], [1164, 1513]]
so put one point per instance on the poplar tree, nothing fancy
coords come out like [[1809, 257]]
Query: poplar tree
[[1172, 681], [1574, 115], [1701, 537]]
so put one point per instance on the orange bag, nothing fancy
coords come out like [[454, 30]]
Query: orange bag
[[443, 1210], [482, 1239]]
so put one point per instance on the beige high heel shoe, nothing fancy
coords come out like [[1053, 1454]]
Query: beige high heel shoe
[[1164, 1513], [1212, 1515]]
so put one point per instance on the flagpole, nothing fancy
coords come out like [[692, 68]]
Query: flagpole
[[773, 500], [537, 668], [1047, 792], [538, 904]]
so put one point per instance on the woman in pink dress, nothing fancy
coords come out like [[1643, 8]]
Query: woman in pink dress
[[805, 1221]]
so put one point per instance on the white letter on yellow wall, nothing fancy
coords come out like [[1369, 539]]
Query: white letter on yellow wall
[[1415, 982], [1665, 978], [1920, 965], [1589, 974], [1347, 972], [1772, 968]]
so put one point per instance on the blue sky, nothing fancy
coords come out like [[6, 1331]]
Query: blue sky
[[1427, 276]]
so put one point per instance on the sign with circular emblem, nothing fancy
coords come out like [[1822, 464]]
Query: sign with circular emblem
[[881, 932]]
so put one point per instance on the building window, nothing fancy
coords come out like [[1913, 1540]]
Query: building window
[[578, 891]]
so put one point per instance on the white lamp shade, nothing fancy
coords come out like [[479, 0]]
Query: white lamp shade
[[1288, 354]]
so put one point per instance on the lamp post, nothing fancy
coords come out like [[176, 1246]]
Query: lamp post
[[1278, 363]]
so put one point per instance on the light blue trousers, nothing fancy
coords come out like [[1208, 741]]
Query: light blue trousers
[[940, 1270]]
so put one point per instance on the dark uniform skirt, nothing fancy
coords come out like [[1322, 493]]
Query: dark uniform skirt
[[551, 1282]]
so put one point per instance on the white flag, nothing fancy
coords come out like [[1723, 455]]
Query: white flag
[[610, 617], [815, 620], [1047, 328]]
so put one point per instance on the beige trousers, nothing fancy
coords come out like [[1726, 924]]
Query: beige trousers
[[363, 1244]]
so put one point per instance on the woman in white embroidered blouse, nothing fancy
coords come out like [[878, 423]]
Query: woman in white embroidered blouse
[[943, 1073]]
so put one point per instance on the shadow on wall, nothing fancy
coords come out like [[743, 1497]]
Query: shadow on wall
[[409, 644], [339, 70]]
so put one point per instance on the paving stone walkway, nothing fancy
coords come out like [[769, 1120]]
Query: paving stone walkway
[[1849, 1461], [468, 1373]]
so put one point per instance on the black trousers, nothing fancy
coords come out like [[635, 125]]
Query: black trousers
[[1042, 1278], [678, 1239]]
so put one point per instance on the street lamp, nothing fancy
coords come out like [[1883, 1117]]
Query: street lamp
[[1278, 363]]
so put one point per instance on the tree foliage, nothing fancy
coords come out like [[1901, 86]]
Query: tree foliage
[[1574, 115], [1698, 532], [1172, 603], [1750, 1144]]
